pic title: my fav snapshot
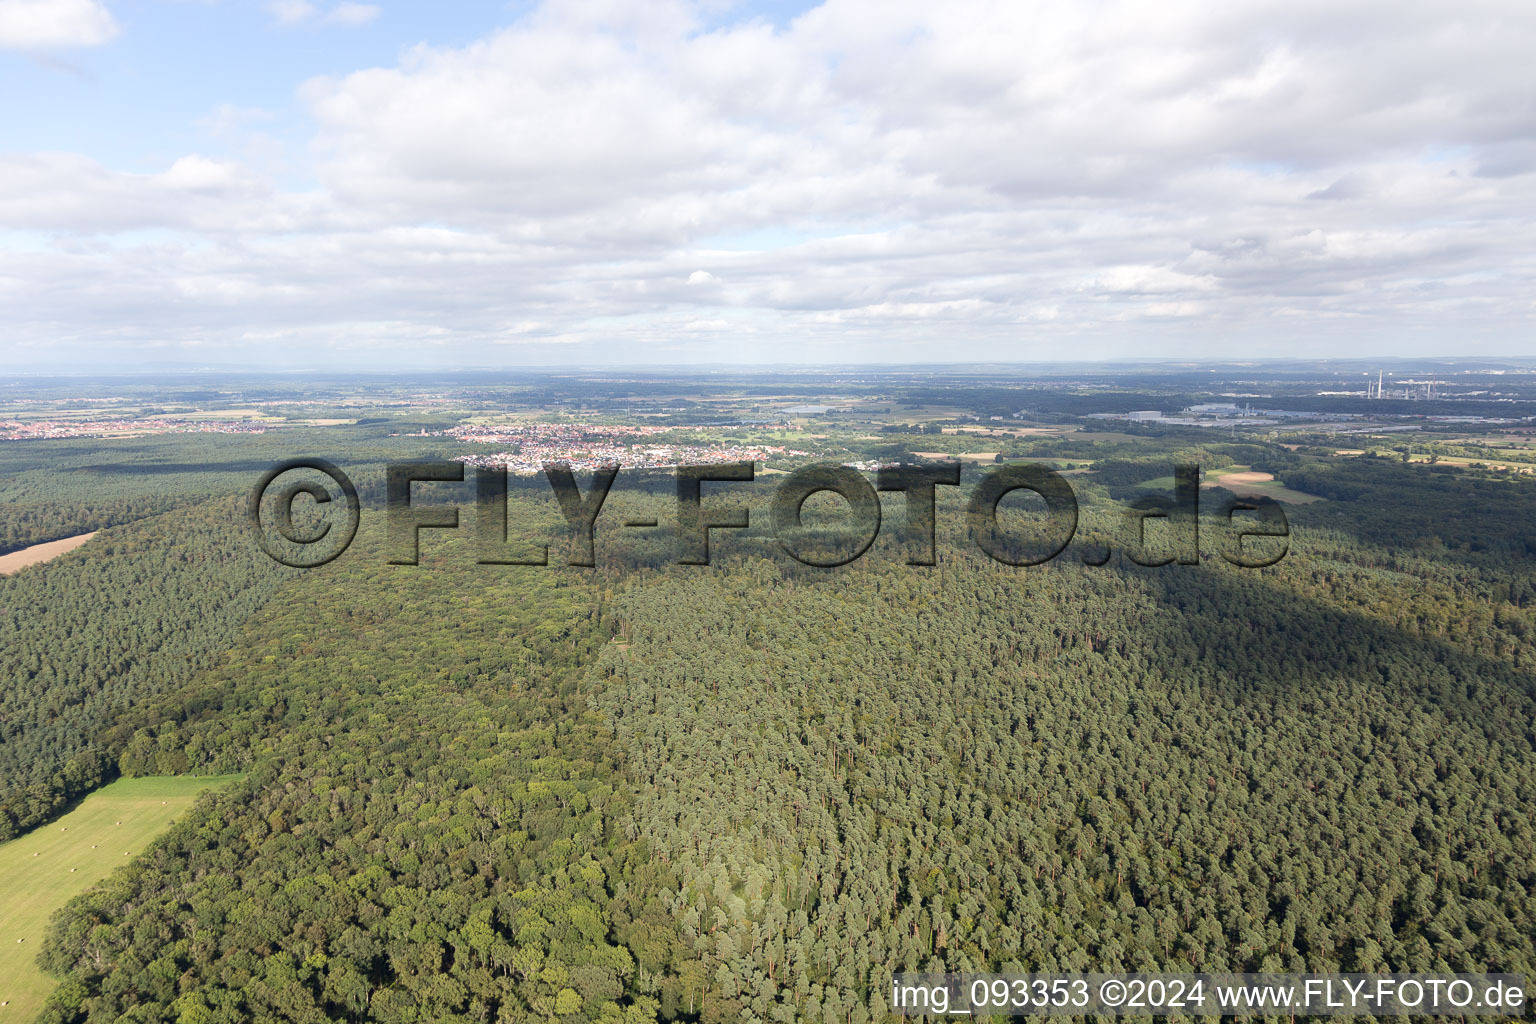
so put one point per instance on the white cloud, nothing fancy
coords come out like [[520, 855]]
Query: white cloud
[[294, 12], [291, 12], [201, 174], [1148, 280], [352, 14], [900, 178], [45, 24]]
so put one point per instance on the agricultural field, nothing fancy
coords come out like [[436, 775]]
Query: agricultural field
[[1248, 484], [43, 870], [16, 561], [1519, 465]]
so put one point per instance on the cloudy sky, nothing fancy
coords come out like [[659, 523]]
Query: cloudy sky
[[313, 182]]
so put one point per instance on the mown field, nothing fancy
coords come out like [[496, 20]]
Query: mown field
[[43, 870], [1244, 483]]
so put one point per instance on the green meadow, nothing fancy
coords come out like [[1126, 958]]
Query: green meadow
[[44, 869]]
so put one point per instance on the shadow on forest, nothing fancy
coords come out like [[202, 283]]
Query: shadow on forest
[[1262, 636], [1485, 524], [253, 466]]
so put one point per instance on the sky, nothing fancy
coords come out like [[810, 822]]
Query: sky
[[313, 183]]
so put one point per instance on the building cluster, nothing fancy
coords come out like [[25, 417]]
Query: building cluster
[[1230, 414], [871, 465], [587, 446], [15, 430], [1211, 414]]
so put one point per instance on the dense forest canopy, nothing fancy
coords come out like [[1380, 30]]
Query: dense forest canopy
[[749, 791]]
